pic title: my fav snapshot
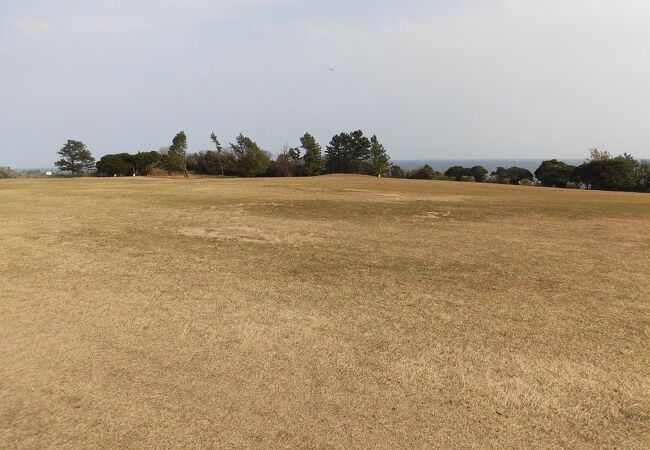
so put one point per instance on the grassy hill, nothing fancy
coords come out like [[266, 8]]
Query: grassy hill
[[336, 311]]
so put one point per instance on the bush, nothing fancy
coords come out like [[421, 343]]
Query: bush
[[425, 172]]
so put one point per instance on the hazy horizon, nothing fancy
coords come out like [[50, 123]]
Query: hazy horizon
[[409, 164], [442, 80]]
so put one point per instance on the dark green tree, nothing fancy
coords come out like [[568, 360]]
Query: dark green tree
[[501, 174], [144, 162], [379, 160], [75, 158], [554, 173], [313, 158], [337, 154], [250, 159], [397, 172], [643, 176], [457, 172], [359, 153], [512, 175], [348, 153], [613, 174], [479, 173], [517, 174], [121, 164], [175, 161], [125, 164]]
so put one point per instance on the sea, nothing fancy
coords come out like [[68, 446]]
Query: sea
[[490, 164]]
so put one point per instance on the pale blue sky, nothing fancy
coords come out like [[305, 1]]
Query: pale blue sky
[[434, 79]]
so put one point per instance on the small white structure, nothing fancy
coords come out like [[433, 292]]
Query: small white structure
[[48, 173]]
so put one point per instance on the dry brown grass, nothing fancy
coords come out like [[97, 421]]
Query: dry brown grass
[[335, 311]]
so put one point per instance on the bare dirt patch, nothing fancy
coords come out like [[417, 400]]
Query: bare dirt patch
[[433, 215], [263, 234]]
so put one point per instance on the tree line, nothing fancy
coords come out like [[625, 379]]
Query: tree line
[[600, 171], [347, 153], [479, 174], [351, 152]]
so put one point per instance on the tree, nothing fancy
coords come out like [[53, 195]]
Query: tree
[[359, 152], [379, 160], [501, 174], [554, 173], [125, 164], [282, 165], [457, 172], [479, 173], [512, 175], [295, 161], [348, 153], [176, 158], [288, 162], [425, 172], [312, 159], [337, 153], [121, 164], [217, 144], [643, 175], [144, 162], [460, 173], [397, 172], [518, 174], [612, 174], [598, 155], [250, 159], [6, 172], [75, 158]]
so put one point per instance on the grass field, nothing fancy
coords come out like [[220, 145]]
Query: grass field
[[336, 311]]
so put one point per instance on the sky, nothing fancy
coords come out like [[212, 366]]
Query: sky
[[436, 79]]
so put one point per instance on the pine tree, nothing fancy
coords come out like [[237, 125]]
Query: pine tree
[[217, 144], [75, 158], [176, 158], [337, 153], [379, 160], [359, 152], [348, 153], [251, 160], [313, 159]]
